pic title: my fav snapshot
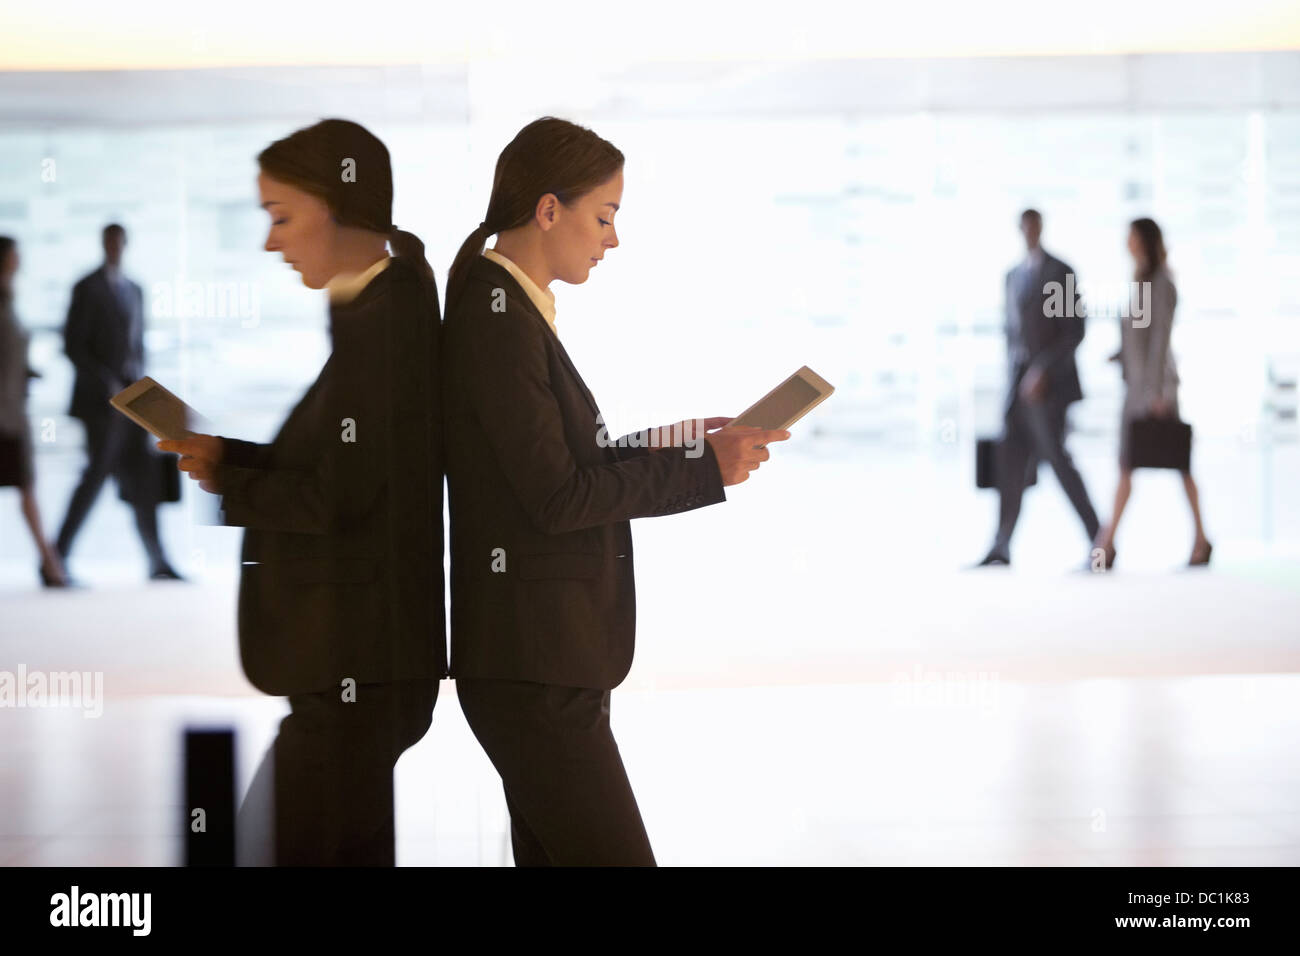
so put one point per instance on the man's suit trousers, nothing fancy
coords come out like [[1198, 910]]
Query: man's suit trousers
[[1037, 428]]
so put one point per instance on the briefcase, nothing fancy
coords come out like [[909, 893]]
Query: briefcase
[[171, 478], [987, 451], [1160, 443], [153, 475]]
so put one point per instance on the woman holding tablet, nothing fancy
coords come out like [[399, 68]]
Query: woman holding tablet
[[543, 602], [341, 592]]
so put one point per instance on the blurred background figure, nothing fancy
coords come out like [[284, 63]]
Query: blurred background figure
[[1150, 376], [104, 337], [1043, 381], [17, 464]]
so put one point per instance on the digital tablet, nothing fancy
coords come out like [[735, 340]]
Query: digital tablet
[[157, 410], [788, 402]]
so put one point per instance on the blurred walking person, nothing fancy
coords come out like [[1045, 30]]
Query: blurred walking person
[[1150, 378], [1043, 382], [104, 338], [17, 460]]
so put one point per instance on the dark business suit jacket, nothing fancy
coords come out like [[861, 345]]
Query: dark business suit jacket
[[342, 560], [1044, 328], [541, 548], [104, 341]]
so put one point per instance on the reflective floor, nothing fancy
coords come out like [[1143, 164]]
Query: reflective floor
[[1189, 771], [819, 680]]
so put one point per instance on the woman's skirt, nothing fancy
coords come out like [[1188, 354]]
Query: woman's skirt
[[17, 464]]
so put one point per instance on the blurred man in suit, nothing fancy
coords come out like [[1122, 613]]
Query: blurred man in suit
[[104, 338], [1045, 324]]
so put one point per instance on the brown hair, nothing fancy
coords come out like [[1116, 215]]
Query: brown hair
[[549, 155], [348, 167], [1153, 246]]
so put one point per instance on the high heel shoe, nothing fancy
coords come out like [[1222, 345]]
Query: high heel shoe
[[1107, 555], [1198, 560], [50, 581]]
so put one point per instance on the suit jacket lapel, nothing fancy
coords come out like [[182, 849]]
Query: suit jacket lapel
[[564, 356]]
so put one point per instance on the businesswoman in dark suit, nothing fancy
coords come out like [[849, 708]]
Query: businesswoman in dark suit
[[1150, 377], [341, 592], [543, 605]]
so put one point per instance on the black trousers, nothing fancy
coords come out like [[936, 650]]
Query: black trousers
[[1037, 428], [569, 798], [114, 444], [323, 795]]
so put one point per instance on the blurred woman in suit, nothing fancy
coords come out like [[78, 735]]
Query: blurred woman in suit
[[543, 604], [1150, 378], [341, 591], [17, 461]]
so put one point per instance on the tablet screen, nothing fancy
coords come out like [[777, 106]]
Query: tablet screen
[[786, 403], [166, 413]]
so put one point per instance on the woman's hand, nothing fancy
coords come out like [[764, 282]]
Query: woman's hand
[[200, 455], [742, 449], [1161, 408]]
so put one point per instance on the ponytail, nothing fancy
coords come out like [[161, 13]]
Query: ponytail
[[408, 246], [470, 250]]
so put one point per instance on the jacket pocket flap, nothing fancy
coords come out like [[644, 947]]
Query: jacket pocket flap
[[331, 568], [565, 564]]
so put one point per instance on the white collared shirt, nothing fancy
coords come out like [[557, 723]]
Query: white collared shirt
[[544, 299], [346, 286]]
